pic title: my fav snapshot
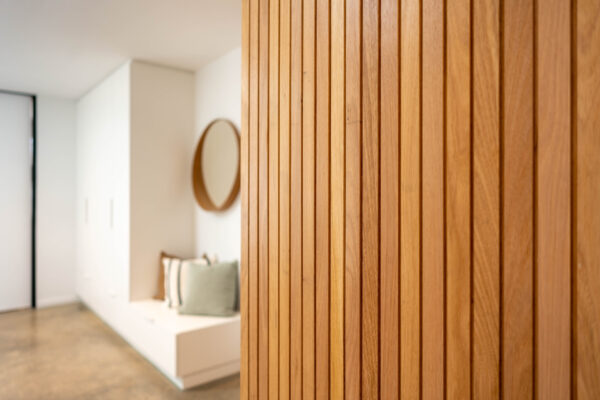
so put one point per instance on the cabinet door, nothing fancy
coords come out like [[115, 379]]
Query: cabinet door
[[84, 200]]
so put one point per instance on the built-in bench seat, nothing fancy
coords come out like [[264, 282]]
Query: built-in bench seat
[[189, 350]]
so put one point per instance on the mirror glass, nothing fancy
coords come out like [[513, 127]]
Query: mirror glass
[[217, 167]]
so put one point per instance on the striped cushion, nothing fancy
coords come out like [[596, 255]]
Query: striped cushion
[[176, 273]]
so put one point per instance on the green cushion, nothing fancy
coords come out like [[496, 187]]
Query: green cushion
[[211, 290]]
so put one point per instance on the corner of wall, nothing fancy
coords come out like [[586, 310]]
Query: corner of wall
[[219, 95]]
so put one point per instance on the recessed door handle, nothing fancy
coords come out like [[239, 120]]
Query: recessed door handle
[[112, 213]]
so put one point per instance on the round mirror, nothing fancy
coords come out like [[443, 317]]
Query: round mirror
[[216, 171]]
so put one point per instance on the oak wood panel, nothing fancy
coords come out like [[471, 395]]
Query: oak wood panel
[[486, 199], [244, 160], [337, 202], [410, 200], [458, 200], [308, 199], [296, 203], [273, 199], [390, 207], [353, 85], [263, 202], [322, 201], [517, 200], [253, 204], [432, 332], [409, 236], [370, 200], [587, 261], [284, 197], [553, 223]]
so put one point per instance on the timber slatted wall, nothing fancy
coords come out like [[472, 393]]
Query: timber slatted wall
[[420, 199]]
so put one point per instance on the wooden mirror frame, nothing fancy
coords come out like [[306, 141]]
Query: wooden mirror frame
[[200, 192]]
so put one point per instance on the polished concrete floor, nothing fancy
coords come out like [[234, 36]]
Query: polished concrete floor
[[68, 353]]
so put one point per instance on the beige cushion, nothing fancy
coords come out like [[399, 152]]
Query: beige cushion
[[176, 275]]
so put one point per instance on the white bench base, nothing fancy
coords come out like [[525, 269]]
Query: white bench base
[[206, 376], [189, 350]]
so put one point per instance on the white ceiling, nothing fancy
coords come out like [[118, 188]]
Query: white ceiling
[[64, 47]]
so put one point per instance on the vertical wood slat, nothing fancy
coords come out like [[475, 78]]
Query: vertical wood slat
[[370, 200], [390, 226], [308, 199], [296, 202], [432, 383], [284, 199], [458, 203], [517, 202], [410, 144], [337, 201], [253, 205], [587, 261], [553, 223], [353, 160], [322, 201], [244, 160], [486, 199], [263, 202], [273, 199], [338, 239]]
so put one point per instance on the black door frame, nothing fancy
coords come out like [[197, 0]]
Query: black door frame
[[33, 187]]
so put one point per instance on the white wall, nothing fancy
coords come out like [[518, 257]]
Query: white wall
[[162, 132], [135, 139], [56, 174], [219, 95]]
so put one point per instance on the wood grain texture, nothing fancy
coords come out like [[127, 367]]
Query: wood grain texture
[[273, 199], [390, 207], [553, 202], [296, 204], [308, 199], [458, 200], [353, 85], [432, 384], [322, 201], [370, 200], [419, 181], [284, 198], [244, 160], [253, 205], [263, 202], [587, 261], [336, 367], [517, 201], [410, 200], [486, 199]]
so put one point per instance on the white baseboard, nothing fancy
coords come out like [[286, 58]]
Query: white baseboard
[[57, 300]]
